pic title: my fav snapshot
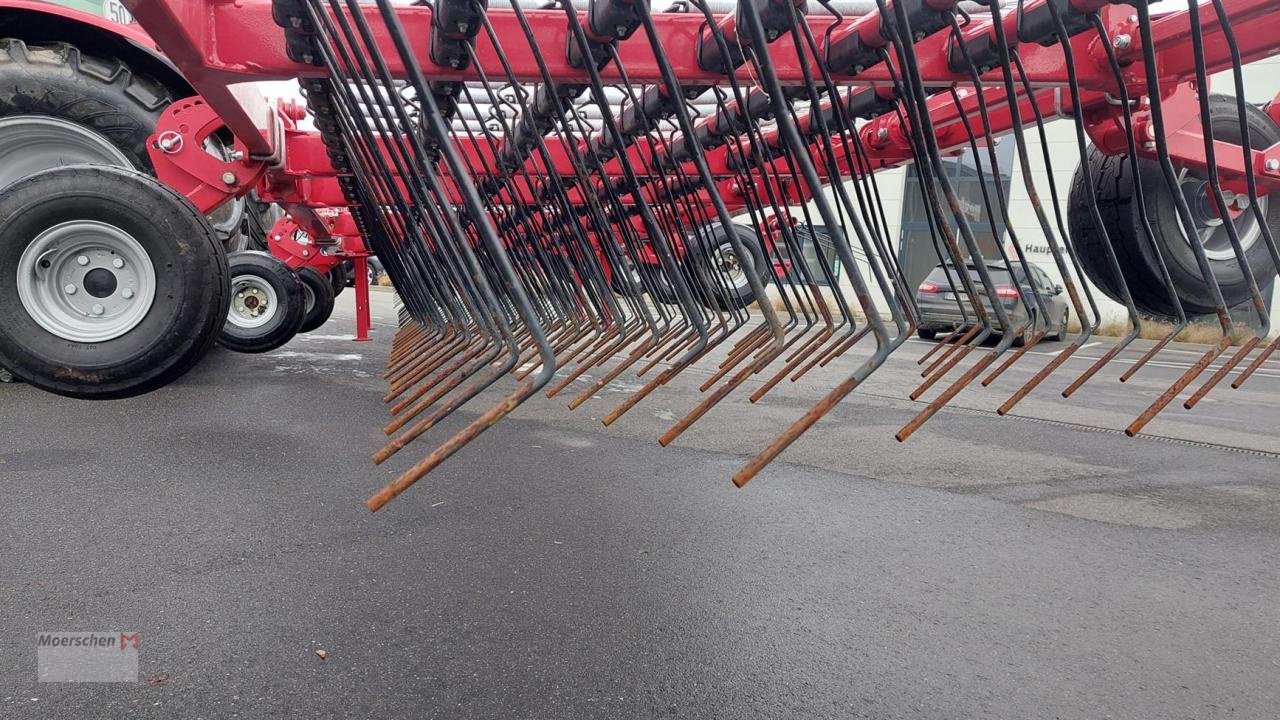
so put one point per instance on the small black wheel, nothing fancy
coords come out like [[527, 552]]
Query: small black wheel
[[338, 278], [927, 334], [318, 294], [268, 304], [724, 273], [113, 285]]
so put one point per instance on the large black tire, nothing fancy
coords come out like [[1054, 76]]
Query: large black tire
[[1110, 179], [721, 270], [338, 278], [109, 109], [267, 304], [49, 338], [318, 293]]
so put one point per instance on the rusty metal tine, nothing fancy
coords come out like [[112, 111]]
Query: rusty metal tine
[[1222, 372], [607, 378], [939, 402], [1257, 363], [951, 337], [797, 359], [1013, 358], [442, 453], [795, 430], [963, 343], [1147, 356], [1093, 369], [634, 398], [676, 345], [401, 441], [606, 352], [942, 372], [714, 398], [1178, 386], [446, 383], [763, 341], [429, 365], [1038, 378], [836, 350], [440, 376], [413, 340], [395, 362]]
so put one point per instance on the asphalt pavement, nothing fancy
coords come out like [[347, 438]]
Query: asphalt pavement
[[1041, 565]]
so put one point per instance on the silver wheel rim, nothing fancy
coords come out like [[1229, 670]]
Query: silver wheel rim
[[727, 263], [32, 143], [253, 302], [1210, 229], [86, 281]]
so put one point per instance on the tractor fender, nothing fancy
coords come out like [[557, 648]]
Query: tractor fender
[[37, 21]]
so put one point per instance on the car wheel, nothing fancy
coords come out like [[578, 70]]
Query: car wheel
[[927, 334]]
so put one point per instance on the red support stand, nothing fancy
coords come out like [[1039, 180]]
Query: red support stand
[[363, 321]]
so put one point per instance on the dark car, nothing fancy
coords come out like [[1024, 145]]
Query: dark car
[[940, 309]]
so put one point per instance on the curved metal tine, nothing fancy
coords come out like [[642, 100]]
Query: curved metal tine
[[1220, 202], [657, 238], [917, 105], [1251, 180], [1032, 335], [1144, 219], [933, 209], [1091, 202], [515, 292], [1184, 215], [363, 131], [1009, 63], [794, 154], [884, 343], [721, 211]]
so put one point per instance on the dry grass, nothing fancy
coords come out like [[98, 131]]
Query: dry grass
[[384, 280], [1199, 333]]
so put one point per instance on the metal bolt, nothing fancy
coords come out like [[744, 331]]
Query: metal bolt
[[241, 295], [70, 289], [463, 27], [82, 260], [1273, 165], [98, 309], [1122, 42], [127, 294], [229, 178], [237, 155], [117, 263], [620, 30], [882, 134]]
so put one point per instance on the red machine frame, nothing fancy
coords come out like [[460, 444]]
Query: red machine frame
[[222, 45]]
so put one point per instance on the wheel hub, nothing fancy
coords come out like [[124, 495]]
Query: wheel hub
[[1210, 228], [730, 266], [253, 302], [86, 281]]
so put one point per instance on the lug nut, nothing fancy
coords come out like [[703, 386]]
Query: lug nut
[[82, 260], [70, 289], [117, 263], [1122, 42], [127, 294], [98, 309]]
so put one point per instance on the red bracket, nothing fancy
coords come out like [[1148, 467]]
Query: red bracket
[[182, 154]]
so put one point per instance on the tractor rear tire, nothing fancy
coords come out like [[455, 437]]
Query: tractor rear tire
[[113, 285], [1110, 179], [268, 304], [59, 106], [319, 299]]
